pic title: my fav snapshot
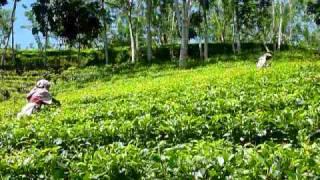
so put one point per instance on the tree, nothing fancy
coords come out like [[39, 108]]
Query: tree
[[40, 16], [314, 9], [149, 35], [4, 25], [75, 21], [35, 29], [183, 15], [128, 9], [105, 30], [10, 33], [280, 25], [236, 26], [3, 2], [195, 23], [205, 7]]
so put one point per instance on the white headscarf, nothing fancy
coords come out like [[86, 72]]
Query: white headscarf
[[43, 84]]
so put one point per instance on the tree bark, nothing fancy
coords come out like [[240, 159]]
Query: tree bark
[[200, 49], [272, 38], [132, 38], [205, 55], [46, 47], [105, 36], [233, 39], [149, 35], [290, 21], [171, 36], [280, 27], [178, 16], [137, 41], [3, 58], [133, 50], [13, 55], [185, 33], [79, 51], [236, 35], [265, 46], [4, 50]]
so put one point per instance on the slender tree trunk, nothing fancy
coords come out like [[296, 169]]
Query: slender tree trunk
[[205, 34], [132, 40], [238, 36], [200, 48], [106, 44], [280, 28], [265, 45], [234, 34], [236, 30], [290, 20], [178, 16], [3, 58], [273, 27], [201, 53], [105, 36], [223, 34], [79, 51], [4, 50], [137, 41], [149, 35], [171, 36], [45, 48], [185, 33], [13, 55]]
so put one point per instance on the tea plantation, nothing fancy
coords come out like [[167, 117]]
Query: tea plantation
[[221, 121]]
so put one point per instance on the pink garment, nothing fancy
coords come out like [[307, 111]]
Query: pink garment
[[39, 96]]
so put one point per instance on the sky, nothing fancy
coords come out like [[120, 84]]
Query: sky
[[23, 37]]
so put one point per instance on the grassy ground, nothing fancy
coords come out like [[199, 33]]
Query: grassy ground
[[224, 120]]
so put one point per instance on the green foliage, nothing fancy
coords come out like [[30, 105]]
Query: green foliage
[[33, 59], [225, 120]]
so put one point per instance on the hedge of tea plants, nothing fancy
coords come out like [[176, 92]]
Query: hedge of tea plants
[[222, 121]]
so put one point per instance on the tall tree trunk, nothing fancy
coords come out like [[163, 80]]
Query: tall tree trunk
[[79, 51], [236, 30], [4, 50], [171, 36], [205, 34], [223, 34], [185, 33], [3, 58], [290, 20], [132, 39], [201, 53], [265, 45], [45, 48], [233, 36], [280, 27], [131, 31], [178, 16], [105, 36], [149, 35], [13, 55], [137, 41], [273, 27]]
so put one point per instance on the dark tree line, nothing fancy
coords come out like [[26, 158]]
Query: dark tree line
[[156, 23]]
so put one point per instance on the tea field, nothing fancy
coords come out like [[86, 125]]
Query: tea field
[[221, 121]]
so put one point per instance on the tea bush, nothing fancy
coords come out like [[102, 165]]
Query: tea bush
[[221, 121]]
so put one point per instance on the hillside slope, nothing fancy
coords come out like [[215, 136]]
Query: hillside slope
[[221, 120]]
